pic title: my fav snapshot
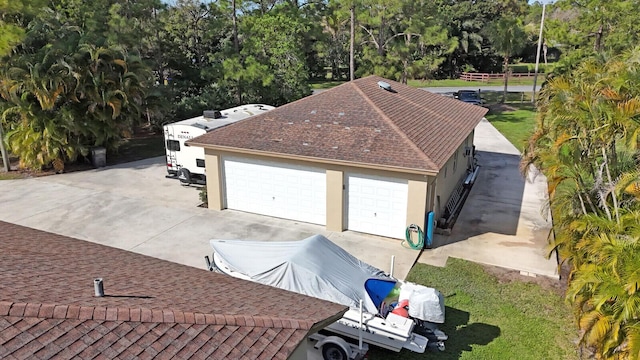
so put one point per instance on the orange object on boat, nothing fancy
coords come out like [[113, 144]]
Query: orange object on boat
[[402, 309]]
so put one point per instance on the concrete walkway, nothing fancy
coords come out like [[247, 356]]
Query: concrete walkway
[[502, 222]]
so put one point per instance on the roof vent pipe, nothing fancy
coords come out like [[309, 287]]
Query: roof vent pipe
[[384, 85], [98, 287]]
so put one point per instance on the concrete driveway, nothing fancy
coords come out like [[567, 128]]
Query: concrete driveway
[[502, 222], [134, 207]]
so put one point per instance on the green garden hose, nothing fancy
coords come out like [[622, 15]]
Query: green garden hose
[[408, 242]]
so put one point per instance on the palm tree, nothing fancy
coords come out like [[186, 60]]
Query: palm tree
[[470, 36], [586, 143], [111, 89], [68, 96], [604, 290], [3, 151], [507, 36], [334, 27], [34, 91]]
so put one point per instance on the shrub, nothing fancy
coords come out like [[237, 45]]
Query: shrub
[[203, 195], [519, 69]]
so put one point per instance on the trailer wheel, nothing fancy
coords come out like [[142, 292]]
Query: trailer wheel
[[185, 176], [333, 352]]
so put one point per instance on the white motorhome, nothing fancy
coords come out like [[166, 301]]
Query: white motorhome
[[186, 162]]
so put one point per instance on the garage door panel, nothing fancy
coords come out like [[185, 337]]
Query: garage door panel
[[383, 193], [305, 182], [276, 189], [376, 205], [368, 191]]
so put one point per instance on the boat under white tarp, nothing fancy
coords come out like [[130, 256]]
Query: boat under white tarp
[[314, 266], [317, 267]]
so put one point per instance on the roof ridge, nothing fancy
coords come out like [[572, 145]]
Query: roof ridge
[[422, 106], [345, 84], [426, 108], [266, 114], [101, 313], [395, 127]]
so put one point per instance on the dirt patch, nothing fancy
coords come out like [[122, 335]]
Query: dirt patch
[[19, 173], [506, 276], [144, 143], [82, 164], [146, 132]]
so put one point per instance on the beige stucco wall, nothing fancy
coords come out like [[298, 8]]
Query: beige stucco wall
[[215, 190], [421, 192], [335, 200], [417, 199], [417, 205], [451, 174]]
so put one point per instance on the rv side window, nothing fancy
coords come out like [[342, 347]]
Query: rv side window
[[200, 162], [173, 145]]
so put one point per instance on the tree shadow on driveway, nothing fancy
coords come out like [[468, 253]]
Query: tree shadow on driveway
[[494, 203]]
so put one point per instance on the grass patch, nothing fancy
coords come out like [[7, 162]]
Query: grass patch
[[12, 175], [324, 84], [517, 126], [494, 97], [487, 319], [531, 67]]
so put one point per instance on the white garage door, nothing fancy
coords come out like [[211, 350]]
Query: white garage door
[[276, 189], [377, 205]]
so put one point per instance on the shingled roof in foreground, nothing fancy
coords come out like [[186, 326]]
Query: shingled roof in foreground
[[152, 308]]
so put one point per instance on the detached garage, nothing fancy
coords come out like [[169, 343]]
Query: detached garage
[[376, 205], [371, 155], [276, 189]]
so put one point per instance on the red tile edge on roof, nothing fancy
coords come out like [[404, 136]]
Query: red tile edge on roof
[[50, 311]]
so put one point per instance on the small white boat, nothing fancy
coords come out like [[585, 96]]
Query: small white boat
[[395, 314]]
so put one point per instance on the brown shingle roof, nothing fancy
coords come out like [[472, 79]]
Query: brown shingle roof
[[358, 122], [151, 308]]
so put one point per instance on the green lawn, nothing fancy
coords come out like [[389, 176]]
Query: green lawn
[[487, 319], [517, 126], [324, 84]]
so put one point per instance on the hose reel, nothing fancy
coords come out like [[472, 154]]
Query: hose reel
[[408, 242]]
